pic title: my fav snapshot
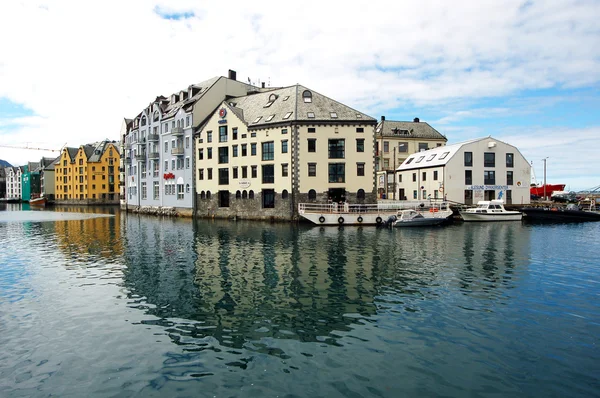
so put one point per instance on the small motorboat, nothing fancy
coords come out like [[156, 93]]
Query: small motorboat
[[38, 201], [413, 218], [571, 213], [490, 210]]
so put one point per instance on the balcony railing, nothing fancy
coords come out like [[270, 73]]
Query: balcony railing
[[140, 157], [128, 160], [177, 151], [153, 155], [177, 131], [153, 137]]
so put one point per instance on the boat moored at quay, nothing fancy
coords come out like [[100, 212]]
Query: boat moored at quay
[[368, 214]]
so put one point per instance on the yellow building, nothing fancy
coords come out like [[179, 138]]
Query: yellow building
[[88, 173]]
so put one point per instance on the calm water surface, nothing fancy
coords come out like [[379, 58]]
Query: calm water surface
[[130, 305]]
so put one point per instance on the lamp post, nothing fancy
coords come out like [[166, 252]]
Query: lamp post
[[545, 178], [394, 174]]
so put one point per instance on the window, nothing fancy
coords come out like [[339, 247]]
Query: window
[[187, 120], [187, 163], [144, 189], [386, 146], [336, 149], [312, 130], [223, 176], [257, 120], [360, 194], [360, 129], [333, 115], [414, 177], [435, 175], [409, 160], [312, 194], [223, 198], [429, 159], [244, 171], [284, 170], [284, 131], [166, 147], [509, 178], [307, 96], [468, 177], [360, 169], [360, 145], [200, 153], [244, 194], [423, 146], [287, 115], [253, 134], [310, 115], [209, 174], [489, 159], [254, 171], [268, 198], [415, 194], [244, 149], [468, 158], [187, 142], [222, 134], [253, 149], [268, 174], [209, 153], [444, 156], [234, 150], [180, 191], [223, 155], [201, 174], [234, 133], [424, 176], [238, 194], [403, 147], [337, 172], [209, 136], [510, 160], [312, 169], [284, 146], [172, 164], [270, 118], [235, 172], [312, 145], [284, 194], [251, 194], [399, 177], [166, 165], [268, 150], [489, 177], [419, 159], [156, 190]]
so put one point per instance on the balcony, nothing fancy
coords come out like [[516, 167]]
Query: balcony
[[153, 137], [140, 157], [128, 160], [153, 155], [177, 131], [179, 151], [142, 142]]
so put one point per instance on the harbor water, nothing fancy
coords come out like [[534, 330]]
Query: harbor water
[[95, 302]]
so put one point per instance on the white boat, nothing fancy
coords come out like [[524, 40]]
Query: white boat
[[490, 210], [363, 214], [414, 218]]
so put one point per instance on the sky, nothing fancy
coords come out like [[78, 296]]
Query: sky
[[524, 72]]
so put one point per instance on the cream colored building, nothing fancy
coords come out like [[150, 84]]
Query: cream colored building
[[260, 155], [396, 141], [466, 172]]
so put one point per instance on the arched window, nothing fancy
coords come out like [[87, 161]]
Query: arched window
[[244, 194], [187, 188], [360, 195], [284, 194], [156, 116], [307, 96], [207, 194], [312, 194], [202, 195], [178, 123], [251, 194], [143, 120], [238, 194]]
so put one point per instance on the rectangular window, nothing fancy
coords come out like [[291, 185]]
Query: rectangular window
[[312, 169], [312, 145], [360, 145], [223, 176], [360, 169], [235, 172], [510, 160], [336, 149], [268, 150], [414, 177], [312, 130], [423, 146], [200, 153], [414, 194], [360, 129], [187, 142], [244, 149], [209, 174], [172, 164], [268, 198], [509, 178], [244, 171], [254, 171], [337, 172], [209, 136], [489, 159], [166, 165], [234, 133], [222, 133], [209, 153], [468, 177], [156, 190], [223, 198], [284, 170], [386, 146], [187, 121], [268, 174], [386, 164], [489, 177], [234, 150], [284, 146], [166, 147], [424, 176], [253, 149], [223, 155], [187, 163], [201, 174], [403, 147], [435, 175], [283, 131], [468, 158], [180, 191]]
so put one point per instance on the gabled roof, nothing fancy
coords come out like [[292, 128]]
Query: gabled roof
[[437, 156], [271, 107], [72, 152], [415, 129]]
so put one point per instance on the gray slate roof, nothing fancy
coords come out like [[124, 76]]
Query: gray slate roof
[[290, 99], [408, 129]]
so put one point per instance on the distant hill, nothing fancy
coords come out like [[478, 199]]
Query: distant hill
[[4, 163]]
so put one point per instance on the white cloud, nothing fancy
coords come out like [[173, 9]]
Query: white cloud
[[83, 66]]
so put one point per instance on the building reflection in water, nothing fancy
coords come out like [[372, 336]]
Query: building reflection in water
[[224, 284]]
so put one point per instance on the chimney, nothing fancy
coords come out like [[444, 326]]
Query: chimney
[[263, 84], [416, 120], [232, 74], [383, 118]]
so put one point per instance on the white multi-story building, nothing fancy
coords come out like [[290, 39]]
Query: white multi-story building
[[259, 155], [158, 147], [466, 172], [13, 182]]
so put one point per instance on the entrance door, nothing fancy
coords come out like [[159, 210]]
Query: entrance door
[[337, 195], [401, 194], [490, 194]]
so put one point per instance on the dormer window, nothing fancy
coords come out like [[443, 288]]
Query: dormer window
[[420, 158], [156, 115], [307, 96], [333, 115], [444, 155], [431, 158], [286, 98], [270, 118], [272, 97], [287, 115], [268, 104], [143, 120], [257, 120], [311, 115]]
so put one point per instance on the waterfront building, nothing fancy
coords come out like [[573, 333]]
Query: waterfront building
[[88, 174], [466, 172], [396, 141], [158, 145], [46, 171], [125, 128], [259, 155], [30, 186], [13, 182], [2, 182]]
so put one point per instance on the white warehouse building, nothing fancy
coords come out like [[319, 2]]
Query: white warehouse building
[[466, 172]]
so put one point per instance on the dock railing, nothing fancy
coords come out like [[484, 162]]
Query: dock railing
[[380, 207]]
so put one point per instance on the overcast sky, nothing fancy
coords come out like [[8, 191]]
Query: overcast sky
[[525, 72]]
